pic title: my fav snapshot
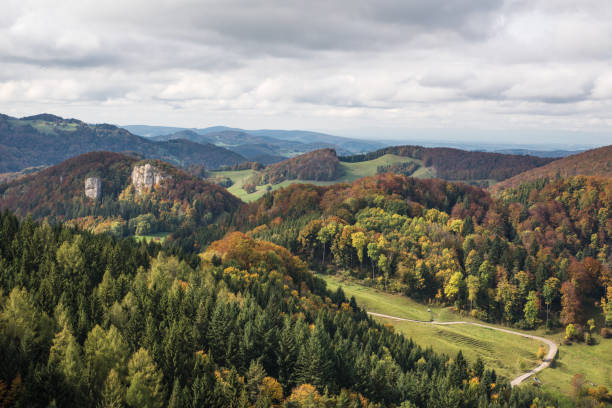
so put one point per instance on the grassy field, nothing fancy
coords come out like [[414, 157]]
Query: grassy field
[[508, 354], [593, 362], [504, 352], [352, 172], [159, 237]]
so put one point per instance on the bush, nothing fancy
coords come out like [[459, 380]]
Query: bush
[[570, 332], [249, 188], [605, 333], [541, 352], [588, 339]]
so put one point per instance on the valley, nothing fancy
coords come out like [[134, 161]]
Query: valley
[[510, 355], [484, 264]]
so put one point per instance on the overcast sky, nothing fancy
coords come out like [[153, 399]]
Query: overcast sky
[[533, 71]]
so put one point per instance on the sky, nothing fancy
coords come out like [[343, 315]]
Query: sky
[[514, 71]]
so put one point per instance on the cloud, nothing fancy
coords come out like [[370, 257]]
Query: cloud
[[327, 65]]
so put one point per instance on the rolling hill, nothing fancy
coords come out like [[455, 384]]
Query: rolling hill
[[595, 162], [460, 165], [476, 168], [44, 140]]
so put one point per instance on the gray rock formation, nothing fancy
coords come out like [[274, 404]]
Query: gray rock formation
[[145, 177], [93, 188]]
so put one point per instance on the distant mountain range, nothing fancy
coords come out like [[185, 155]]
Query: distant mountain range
[[265, 146], [44, 140], [539, 153]]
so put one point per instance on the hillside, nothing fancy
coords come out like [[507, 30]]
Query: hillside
[[461, 165], [319, 165], [44, 140], [536, 258], [118, 192], [595, 162], [476, 168], [89, 320]]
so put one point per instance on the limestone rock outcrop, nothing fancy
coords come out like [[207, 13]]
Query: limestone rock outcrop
[[145, 177], [93, 188]]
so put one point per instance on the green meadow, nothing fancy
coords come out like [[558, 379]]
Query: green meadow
[[508, 354]]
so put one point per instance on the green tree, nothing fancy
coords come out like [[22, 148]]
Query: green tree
[[113, 393], [146, 382], [286, 356], [532, 309], [21, 320], [383, 265], [550, 291], [315, 361], [454, 286], [104, 350], [473, 286], [359, 242], [70, 256], [65, 354], [373, 254], [325, 235], [254, 379]]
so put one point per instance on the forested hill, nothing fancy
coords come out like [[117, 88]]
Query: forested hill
[[456, 164], [595, 162], [91, 320], [47, 139], [124, 195], [319, 165], [539, 254]]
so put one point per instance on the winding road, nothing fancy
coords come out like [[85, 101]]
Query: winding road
[[548, 358]]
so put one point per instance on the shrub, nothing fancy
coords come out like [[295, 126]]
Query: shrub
[[605, 333], [588, 339], [541, 352], [570, 332]]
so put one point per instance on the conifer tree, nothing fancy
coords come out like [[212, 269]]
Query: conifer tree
[[146, 386]]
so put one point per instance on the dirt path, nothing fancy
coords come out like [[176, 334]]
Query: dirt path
[[552, 347]]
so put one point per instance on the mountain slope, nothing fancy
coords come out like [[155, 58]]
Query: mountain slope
[[123, 189], [47, 139], [595, 162]]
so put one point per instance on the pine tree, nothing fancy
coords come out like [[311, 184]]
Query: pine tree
[[176, 397], [315, 361], [65, 354], [113, 393], [286, 356], [254, 379]]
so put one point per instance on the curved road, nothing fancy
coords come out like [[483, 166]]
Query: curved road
[[552, 347]]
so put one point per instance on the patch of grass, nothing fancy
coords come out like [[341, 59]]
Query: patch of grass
[[593, 362], [354, 171], [158, 237], [508, 354], [240, 176]]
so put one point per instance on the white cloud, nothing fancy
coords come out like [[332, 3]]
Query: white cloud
[[347, 64]]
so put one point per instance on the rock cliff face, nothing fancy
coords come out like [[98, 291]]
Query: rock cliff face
[[93, 188], [145, 177]]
